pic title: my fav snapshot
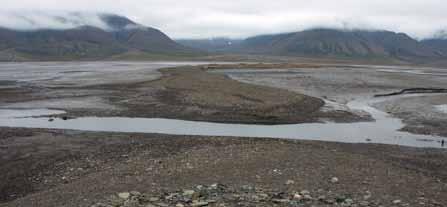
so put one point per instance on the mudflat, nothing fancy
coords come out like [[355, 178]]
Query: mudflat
[[187, 92], [341, 84], [195, 94]]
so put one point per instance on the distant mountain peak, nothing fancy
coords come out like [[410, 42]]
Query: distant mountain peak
[[334, 42], [32, 21], [85, 36], [118, 22], [327, 42]]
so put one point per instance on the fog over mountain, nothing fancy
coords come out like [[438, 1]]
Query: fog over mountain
[[442, 34], [74, 36], [50, 20], [96, 29], [241, 19]]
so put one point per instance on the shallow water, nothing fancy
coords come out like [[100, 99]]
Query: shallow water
[[442, 108], [16, 113], [82, 73], [416, 72], [384, 130]]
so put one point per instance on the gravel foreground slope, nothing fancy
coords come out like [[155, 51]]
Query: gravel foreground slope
[[70, 168]]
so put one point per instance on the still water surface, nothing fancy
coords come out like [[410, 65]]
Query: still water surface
[[384, 130]]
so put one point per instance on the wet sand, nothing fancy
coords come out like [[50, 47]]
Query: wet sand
[[341, 84], [188, 93]]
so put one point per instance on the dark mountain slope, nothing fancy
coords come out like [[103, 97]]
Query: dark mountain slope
[[149, 40], [80, 42], [328, 42], [117, 22], [438, 44], [88, 42]]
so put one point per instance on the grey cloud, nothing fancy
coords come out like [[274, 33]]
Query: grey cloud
[[31, 20], [211, 18]]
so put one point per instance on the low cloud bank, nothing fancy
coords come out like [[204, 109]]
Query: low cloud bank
[[50, 20], [191, 21]]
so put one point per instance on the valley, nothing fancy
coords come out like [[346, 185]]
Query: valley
[[67, 167], [204, 103]]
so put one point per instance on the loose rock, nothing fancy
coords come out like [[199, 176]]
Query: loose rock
[[247, 195], [334, 180], [124, 195]]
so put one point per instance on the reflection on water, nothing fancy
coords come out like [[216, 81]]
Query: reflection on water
[[384, 130], [442, 108], [13, 113]]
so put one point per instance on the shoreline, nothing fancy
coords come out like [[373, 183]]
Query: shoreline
[[383, 130]]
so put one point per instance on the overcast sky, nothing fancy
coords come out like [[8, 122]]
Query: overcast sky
[[242, 18]]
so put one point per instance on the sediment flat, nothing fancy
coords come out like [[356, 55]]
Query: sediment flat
[[184, 92], [41, 167]]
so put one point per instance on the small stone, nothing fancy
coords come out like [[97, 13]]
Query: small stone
[[255, 197], [171, 196], [135, 193], [297, 197], [162, 204], [334, 180], [124, 195], [348, 201], [179, 205], [247, 188], [308, 197], [290, 182], [153, 199], [116, 201], [280, 200], [195, 196], [367, 196], [304, 192], [263, 195], [100, 205], [188, 192], [199, 203], [329, 201], [131, 203], [144, 198], [321, 198], [211, 201], [397, 201], [340, 199], [364, 203]]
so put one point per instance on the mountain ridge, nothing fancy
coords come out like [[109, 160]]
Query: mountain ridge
[[323, 42], [119, 37], [88, 42]]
